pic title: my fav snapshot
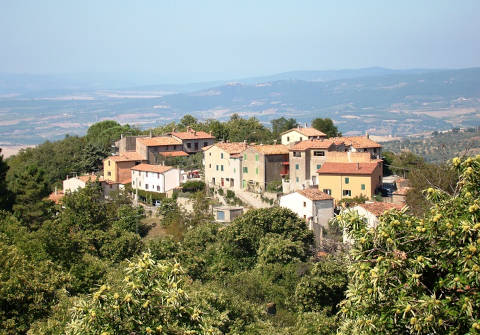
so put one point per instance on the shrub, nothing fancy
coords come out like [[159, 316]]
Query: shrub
[[193, 186], [230, 194]]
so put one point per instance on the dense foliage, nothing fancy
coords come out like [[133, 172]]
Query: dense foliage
[[415, 275]]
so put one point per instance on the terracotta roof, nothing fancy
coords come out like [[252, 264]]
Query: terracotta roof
[[90, 177], [378, 208], [306, 131], [126, 157], [348, 168], [152, 168], [271, 149], [358, 142], [312, 144], [173, 154], [402, 191], [233, 147], [192, 135], [56, 197], [314, 194], [158, 141]]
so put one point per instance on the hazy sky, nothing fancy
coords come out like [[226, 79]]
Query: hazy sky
[[221, 39]]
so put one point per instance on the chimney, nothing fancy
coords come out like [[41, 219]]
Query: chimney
[[150, 133], [367, 135], [275, 142], [305, 125]]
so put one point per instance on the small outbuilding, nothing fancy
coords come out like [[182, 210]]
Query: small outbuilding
[[226, 214]]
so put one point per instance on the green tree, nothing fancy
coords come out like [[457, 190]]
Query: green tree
[[387, 157], [151, 298], [282, 124], [326, 126], [414, 275], [27, 289], [30, 188], [188, 121], [6, 197]]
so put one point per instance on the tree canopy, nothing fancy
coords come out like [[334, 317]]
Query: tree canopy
[[326, 126]]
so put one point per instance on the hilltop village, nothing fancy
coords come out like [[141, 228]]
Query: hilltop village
[[314, 176]]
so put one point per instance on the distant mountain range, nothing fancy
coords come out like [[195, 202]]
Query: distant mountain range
[[376, 100]]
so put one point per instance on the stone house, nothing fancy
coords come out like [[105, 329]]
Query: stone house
[[193, 141], [301, 134], [263, 165], [155, 178], [117, 168]]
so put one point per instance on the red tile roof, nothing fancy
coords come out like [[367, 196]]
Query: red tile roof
[[348, 168], [378, 208], [126, 157], [314, 194], [311, 144], [402, 191], [173, 154], [56, 197], [159, 141], [232, 147], [90, 177], [307, 131], [152, 168], [271, 149], [192, 135], [358, 142]]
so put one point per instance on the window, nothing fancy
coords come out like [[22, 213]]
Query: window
[[205, 144], [221, 155], [108, 163], [297, 154], [304, 204], [109, 173], [189, 145], [146, 174], [221, 215], [217, 167], [209, 153], [244, 157], [297, 167], [234, 170], [221, 167], [319, 166], [110, 185], [245, 169], [146, 186], [363, 187], [256, 157], [304, 217], [327, 191], [256, 170], [133, 183], [288, 138], [158, 188], [140, 183], [347, 193], [347, 180], [210, 166], [319, 153], [297, 180]]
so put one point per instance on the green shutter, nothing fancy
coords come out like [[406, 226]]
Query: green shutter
[[256, 157], [319, 166], [256, 170], [297, 167], [347, 180], [363, 186]]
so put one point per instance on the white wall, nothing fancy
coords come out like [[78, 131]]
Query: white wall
[[72, 184], [157, 182], [294, 201], [293, 136], [372, 221]]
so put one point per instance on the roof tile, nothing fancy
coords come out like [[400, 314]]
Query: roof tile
[[378, 208], [152, 168], [348, 168], [314, 194], [159, 140]]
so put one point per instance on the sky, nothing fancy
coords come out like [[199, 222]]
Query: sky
[[184, 41]]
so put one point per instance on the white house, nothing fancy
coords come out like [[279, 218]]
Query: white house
[[301, 134], [72, 184], [312, 205], [155, 178], [371, 211]]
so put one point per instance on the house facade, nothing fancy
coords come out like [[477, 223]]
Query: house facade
[[301, 134], [155, 178], [193, 141], [314, 206], [263, 165], [226, 214], [117, 168], [349, 180], [359, 144], [223, 164], [73, 184]]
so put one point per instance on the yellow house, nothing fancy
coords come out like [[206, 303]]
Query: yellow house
[[349, 180], [117, 168], [301, 134]]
